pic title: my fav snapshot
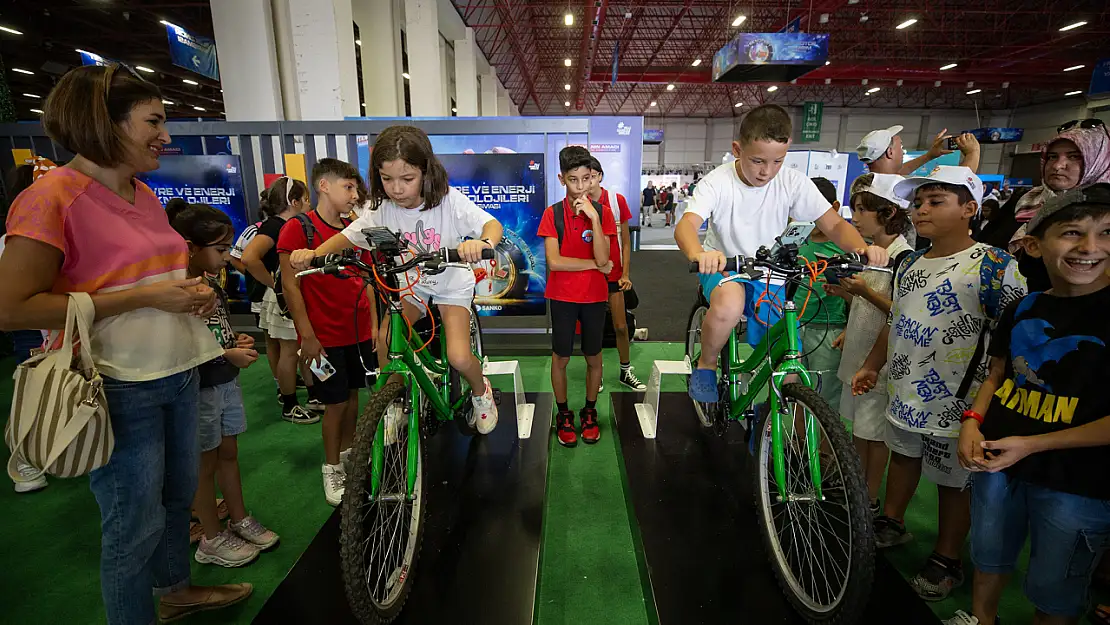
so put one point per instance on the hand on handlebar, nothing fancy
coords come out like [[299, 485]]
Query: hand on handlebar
[[854, 285], [710, 262], [876, 256], [302, 259], [470, 251]]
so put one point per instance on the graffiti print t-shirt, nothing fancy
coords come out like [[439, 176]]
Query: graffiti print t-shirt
[[455, 219], [1056, 356], [935, 323]]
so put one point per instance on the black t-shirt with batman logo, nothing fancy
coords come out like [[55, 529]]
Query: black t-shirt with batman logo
[[1056, 359]]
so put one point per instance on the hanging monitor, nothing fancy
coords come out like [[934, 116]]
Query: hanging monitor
[[769, 57]]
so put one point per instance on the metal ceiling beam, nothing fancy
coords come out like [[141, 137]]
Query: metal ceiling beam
[[518, 51], [591, 27]]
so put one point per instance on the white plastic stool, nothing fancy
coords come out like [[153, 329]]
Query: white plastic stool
[[524, 410], [648, 412]]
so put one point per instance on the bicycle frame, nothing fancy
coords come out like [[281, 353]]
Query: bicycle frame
[[408, 360], [777, 356]]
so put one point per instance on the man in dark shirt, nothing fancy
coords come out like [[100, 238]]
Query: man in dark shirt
[[1038, 434]]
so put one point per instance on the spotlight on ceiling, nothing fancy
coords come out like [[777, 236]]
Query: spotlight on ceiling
[[739, 20], [906, 24]]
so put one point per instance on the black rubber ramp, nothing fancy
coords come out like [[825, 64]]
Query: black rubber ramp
[[698, 531], [480, 558]]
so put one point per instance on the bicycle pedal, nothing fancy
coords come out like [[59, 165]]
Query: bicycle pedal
[[497, 397]]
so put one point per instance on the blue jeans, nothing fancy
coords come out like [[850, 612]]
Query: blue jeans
[[23, 341], [145, 493], [1068, 534]]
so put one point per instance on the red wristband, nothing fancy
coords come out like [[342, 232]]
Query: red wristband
[[971, 414]]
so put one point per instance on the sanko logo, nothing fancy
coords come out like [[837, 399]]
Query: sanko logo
[[480, 307]]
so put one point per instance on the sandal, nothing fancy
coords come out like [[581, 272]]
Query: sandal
[[1100, 615]]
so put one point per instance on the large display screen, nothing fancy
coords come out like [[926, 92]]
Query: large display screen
[[511, 188]]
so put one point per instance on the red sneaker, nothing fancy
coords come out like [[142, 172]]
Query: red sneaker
[[564, 428], [590, 431]]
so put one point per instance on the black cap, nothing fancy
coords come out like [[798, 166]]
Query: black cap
[[1094, 194]]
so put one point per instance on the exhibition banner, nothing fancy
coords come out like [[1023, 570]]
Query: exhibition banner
[[510, 187], [193, 52], [213, 180], [997, 135], [89, 58], [1100, 79], [811, 121]]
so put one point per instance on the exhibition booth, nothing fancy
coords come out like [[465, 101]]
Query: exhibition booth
[[508, 166]]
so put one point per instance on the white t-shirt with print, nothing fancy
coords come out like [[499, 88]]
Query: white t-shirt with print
[[742, 218], [935, 322], [455, 219]]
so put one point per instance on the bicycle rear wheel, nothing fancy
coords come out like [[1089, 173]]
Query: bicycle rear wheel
[[705, 412], [380, 537], [455, 380], [822, 551]]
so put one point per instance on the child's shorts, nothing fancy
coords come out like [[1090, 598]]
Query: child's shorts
[[221, 414], [768, 313], [461, 296], [565, 317], [939, 459], [867, 413], [1068, 535]]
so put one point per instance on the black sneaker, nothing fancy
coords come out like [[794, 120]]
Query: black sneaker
[[890, 533], [938, 578], [300, 416], [564, 429], [629, 379]]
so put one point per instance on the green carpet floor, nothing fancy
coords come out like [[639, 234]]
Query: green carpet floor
[[589, 573]]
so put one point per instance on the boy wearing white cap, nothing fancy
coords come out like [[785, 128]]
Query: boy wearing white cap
[[882, 218], [881, 150], [946, 299]]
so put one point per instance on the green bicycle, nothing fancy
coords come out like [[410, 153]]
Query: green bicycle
[[810, 491], [384, 502]]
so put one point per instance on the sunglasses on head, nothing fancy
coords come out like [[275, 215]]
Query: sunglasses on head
[[1080, 123]]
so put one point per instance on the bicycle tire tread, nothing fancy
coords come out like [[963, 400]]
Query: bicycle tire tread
[[351, 532]]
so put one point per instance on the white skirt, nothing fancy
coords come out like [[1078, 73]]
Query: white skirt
[[275, 324]]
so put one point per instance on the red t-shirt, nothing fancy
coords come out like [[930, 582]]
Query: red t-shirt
[[580, 287], [329, 300], [614, 241]]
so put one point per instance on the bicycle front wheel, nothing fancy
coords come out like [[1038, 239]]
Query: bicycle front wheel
[[822, 549], [380, 536]]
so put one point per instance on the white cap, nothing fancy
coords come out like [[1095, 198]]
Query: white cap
[[948, 174], [875, 143], [881, 185]]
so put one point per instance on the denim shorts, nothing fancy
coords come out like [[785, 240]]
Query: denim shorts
[[1068, 535], [221, 414], [752, 291]]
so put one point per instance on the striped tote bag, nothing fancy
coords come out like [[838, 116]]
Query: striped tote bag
[[59, 421]]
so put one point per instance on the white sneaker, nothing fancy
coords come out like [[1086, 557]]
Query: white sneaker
[[343, 456], [962, 618], [226, 549], [395, 423], [27, 472], [335, 480], [641, 334], [250, 530], [484, 415]]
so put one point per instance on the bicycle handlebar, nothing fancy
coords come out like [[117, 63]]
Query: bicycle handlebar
[[332, 264], [851, 262]]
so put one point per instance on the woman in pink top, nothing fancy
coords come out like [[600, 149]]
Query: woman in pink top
[[92, 227]]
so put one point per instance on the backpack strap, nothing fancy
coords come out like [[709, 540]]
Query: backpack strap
[[308, 228], [903, 261], [560, 221], [992, 270]]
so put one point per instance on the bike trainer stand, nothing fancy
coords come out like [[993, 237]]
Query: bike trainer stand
[[524, 410], [703, 559], [648, 412]]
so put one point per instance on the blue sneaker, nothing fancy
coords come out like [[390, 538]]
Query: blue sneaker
[[703, 385]]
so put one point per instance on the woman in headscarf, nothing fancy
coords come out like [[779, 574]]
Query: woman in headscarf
[[1077, 157]]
